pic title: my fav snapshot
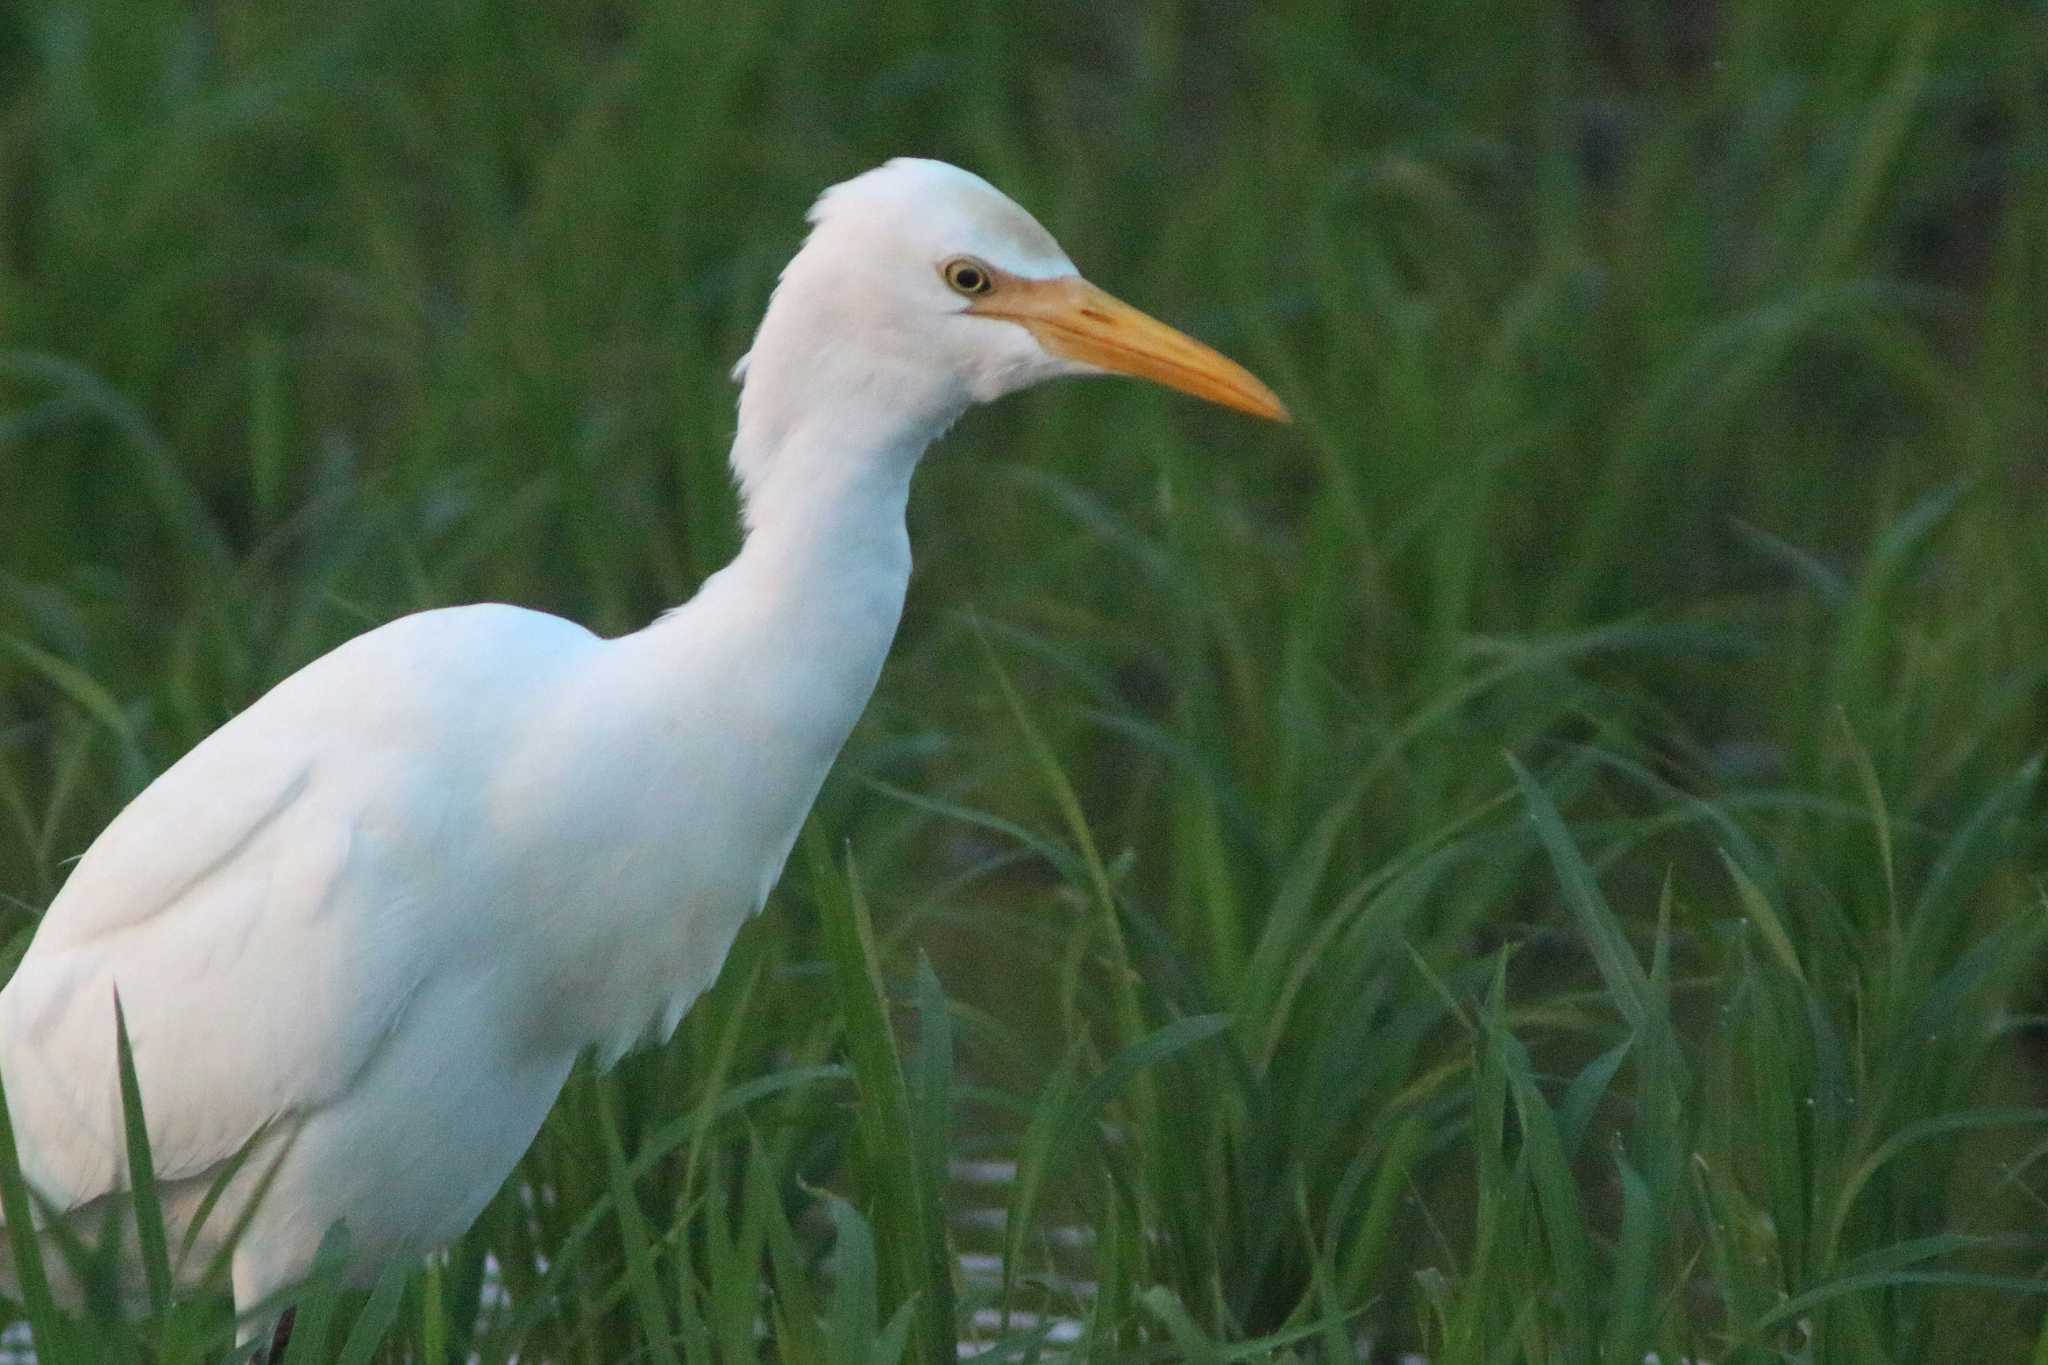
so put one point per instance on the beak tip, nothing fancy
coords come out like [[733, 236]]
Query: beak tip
[[1265, 403]]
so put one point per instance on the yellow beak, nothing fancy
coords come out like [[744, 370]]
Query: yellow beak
[[1076, 321]]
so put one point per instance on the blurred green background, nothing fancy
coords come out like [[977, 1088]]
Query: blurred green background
[[1540, 860]]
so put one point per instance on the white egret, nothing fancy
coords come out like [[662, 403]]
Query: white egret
[[369, 923]]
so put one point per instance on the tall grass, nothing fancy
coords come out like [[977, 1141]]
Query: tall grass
[[1540, 861]]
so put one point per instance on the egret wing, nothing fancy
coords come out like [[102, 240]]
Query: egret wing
[[264, 910]]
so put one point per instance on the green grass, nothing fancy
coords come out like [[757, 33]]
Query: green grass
[[1542, 860]]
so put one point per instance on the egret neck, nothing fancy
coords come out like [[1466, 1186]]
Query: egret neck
[[824, 566], [826, 557], [779, 652], [724, 716]]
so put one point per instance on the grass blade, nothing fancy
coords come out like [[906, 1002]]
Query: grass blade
[[648, 1299], [368, 1331], [148, 1208], [51, 1332], [853, 1316], [904, 1183]]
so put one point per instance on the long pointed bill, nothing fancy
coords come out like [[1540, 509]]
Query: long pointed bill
[[1076, 321]]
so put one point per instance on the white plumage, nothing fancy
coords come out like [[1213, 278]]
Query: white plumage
[[371, 922]]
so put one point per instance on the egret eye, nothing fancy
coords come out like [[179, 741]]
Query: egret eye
[[967, 276]]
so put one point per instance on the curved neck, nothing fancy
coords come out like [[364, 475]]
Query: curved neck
[[830, 477], [825, 530], [823, 416], [790, 637], [822, 497]]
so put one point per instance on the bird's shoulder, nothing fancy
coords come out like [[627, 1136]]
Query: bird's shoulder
[[256, 878], [363, 720], [442, 652]]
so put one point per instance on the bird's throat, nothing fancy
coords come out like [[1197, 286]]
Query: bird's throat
[[801, 620]]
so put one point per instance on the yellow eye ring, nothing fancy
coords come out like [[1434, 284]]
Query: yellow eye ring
[[965, 275]]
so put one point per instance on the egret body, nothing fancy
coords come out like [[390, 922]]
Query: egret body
[[369, 924]]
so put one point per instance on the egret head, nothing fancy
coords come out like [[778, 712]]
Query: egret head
[[922, 289]]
